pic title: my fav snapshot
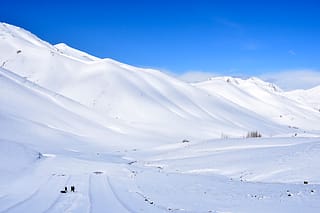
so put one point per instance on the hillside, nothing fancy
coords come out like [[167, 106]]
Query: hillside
[[146, 98], [310, 97], [264, 99]]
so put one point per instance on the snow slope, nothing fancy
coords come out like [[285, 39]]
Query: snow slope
[[31, 114], [265, 99], [211, 176], [66, 50], [19, 156], [146, 98], [310, 97]]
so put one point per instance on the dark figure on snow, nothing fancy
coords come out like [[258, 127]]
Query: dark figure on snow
[[65, 190], [72, 188]]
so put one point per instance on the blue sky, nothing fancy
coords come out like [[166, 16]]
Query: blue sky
[[240, 38]]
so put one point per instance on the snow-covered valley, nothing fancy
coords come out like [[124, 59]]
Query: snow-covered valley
[[138, 140]]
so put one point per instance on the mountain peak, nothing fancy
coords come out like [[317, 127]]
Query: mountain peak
[[18, 36], [252, 81], [70, 51]]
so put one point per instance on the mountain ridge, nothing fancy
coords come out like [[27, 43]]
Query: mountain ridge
[[140, 97]]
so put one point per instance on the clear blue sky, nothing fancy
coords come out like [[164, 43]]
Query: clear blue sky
[[227, 37]]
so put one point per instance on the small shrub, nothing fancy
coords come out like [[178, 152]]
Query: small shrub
[[224, 136], [254, 134]]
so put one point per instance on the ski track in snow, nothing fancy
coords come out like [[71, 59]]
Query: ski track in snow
[[48, 190]]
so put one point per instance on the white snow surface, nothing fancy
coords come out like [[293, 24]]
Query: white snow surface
[[310, 97], [137, 140], [265, 99]]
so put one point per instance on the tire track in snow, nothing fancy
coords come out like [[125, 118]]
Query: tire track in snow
[[41, 198], [13, 196], [103, 197], [57, 198], [77, 201], [117, 197]]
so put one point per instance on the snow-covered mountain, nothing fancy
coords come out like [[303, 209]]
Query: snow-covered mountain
[[149, 99], [137, 140], [310, 97], [30, 113], [265, 99]]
